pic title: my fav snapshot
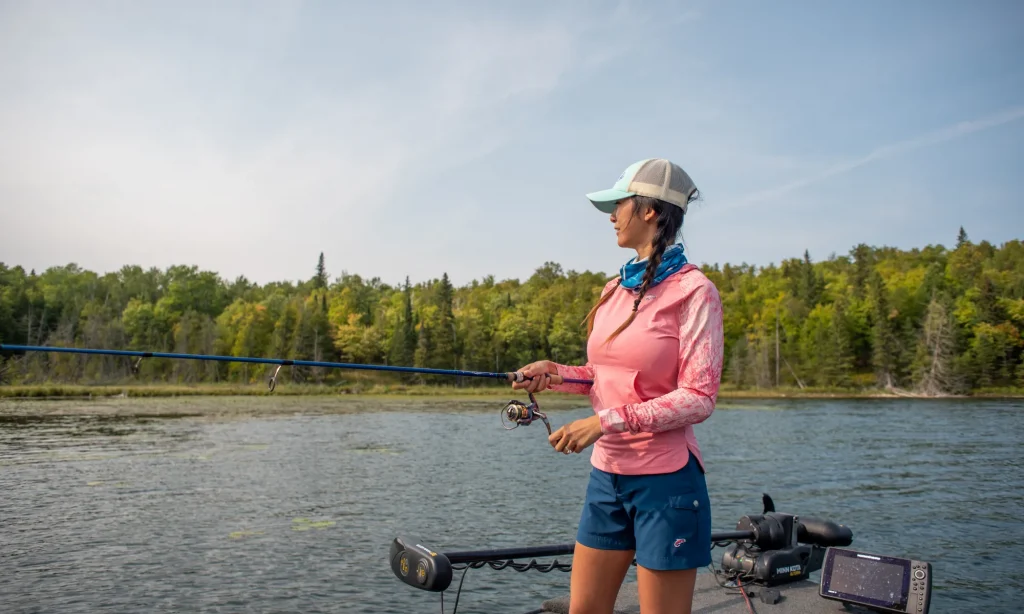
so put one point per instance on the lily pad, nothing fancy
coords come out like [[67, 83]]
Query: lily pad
[[241, 534], [305, 524]]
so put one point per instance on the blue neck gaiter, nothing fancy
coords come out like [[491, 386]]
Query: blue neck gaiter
[[632, 273]]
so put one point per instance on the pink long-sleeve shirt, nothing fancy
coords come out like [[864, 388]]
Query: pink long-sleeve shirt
[[658, 378]]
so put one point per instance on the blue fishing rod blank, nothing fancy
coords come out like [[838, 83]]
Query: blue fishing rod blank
[[281, 362]]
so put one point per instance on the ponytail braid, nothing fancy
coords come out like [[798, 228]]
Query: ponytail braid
[[593, 310]]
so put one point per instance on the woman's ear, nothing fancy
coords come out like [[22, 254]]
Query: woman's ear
[[649, 214]]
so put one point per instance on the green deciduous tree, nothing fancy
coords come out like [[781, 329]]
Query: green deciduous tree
[[933, 319]]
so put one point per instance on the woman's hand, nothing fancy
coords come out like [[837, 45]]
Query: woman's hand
[[576, 436], [541, 372]]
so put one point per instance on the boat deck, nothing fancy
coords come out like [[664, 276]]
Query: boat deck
[[710, 598]]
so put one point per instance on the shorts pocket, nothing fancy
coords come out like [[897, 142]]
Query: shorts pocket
[[684, 515], [672, 537]]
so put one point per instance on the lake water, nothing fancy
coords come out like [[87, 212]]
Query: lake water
[[252, 512]]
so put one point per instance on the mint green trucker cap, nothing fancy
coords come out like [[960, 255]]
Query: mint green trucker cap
[[654, 177]]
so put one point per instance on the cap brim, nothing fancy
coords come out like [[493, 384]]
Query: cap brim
[[605, 199]]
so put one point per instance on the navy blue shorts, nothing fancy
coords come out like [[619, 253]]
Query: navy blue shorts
[[665, 518]]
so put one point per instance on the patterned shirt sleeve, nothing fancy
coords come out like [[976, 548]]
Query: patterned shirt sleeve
[[700, 373]]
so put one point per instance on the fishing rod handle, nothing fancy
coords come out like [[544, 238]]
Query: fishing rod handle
[[518, 378]]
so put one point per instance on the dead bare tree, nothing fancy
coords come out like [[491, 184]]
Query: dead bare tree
[[936, 373]]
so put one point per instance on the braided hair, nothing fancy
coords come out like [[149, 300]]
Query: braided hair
[[670, 220]]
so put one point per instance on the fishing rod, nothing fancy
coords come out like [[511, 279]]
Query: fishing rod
[[517, 412]]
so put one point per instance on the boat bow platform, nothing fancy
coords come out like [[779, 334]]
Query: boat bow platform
[[711, 598]]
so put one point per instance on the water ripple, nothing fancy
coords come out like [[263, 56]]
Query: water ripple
[[261, 514]]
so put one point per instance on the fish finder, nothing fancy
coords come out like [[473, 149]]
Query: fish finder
[[880, 583]]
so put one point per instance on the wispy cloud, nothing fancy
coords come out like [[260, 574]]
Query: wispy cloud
[[234, 156], [398, 140], [891, 150]]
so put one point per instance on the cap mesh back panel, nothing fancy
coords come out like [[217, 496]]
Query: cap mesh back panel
[[651, 173], [678, 182]]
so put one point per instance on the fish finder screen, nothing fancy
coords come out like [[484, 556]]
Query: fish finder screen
[[869, 578]]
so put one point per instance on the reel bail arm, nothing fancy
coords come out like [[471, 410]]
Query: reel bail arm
[[135, 365], [272, 382]]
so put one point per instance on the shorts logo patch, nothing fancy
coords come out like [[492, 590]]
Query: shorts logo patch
[[680, 542]]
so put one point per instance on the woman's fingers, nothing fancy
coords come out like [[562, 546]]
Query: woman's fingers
[[555, 439], [576, 436], [538, 376], [561, 440], [530, 375]]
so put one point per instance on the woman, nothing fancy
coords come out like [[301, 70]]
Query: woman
[[655, 356]]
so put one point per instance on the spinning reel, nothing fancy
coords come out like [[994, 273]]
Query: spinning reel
[[519, 413]]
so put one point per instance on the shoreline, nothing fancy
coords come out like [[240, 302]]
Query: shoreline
[[45, 392]]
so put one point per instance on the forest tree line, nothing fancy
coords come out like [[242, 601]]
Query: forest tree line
[[935, 320]]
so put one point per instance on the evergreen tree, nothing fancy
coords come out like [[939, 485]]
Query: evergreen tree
[[962, 238], [883, 337], [404, 340], [424, 346], [320, 279], [989, 310], [840, 356], [861, 270], [444, 340], [811, 285]]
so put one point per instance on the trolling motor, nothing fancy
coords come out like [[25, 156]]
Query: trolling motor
[[519, 413], [782, 548], [785, 548]]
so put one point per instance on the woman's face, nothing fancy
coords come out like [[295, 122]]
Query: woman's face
[[633, 229]]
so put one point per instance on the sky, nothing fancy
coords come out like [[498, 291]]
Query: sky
[[415, 139]]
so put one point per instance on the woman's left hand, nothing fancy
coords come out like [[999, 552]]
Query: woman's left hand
[[576, 436]]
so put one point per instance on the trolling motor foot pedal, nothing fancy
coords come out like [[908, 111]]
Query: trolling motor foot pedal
[[770, 596]]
